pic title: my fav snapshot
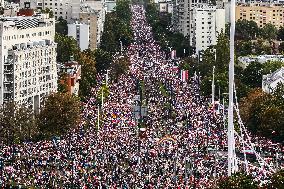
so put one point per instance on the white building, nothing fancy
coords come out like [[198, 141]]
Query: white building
[[244, 61], [28, 59], [207, 22], [67, 9], [270, 81], [81, 33]]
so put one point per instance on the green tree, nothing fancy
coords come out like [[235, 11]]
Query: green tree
[[252, 75], [103, 92], [117, 28], [246, 30], [61, 26], [281, 48], [103, 60], [269, 32], [280, 34], [259, 47], [208, 61], [48, 11], [59, 114], [66, 47], [238, 180], [264, 113], [88, 72], [17, 123], [119, 66], [222, 53], [271, 66], [122, 10], [244, 48]]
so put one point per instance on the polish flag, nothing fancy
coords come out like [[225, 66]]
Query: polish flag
[[184, 75]]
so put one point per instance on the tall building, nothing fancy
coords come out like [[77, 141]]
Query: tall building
[[67, 9], [95, 18], [261, 13], [184, 9], [81, 33], [28, 59], [206, 24]]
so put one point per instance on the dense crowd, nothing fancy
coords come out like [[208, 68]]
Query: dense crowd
[[182, 145]]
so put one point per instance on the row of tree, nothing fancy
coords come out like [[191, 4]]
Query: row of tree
[[164, 34], [263, 113], [60, 113], [249, 30], [117, 30], [247, 79]]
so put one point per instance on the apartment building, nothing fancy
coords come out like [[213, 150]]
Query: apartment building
[[261, 13], [184, 9], [67, 9], [206, 24], [28, 59], [88, 30], [81, 33], [92, 19]]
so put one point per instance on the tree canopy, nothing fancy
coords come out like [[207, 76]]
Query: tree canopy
[[66, 47], [59, 114], [17, 123], [117, 28]]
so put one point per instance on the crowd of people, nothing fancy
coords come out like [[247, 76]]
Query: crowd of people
[[180, 143]]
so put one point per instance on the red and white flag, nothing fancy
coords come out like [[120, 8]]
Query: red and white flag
[[184, 75]]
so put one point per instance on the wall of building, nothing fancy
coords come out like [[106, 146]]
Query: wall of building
[[67, 9], [81, 33], [261, 13], [29, 51], [92, 20]]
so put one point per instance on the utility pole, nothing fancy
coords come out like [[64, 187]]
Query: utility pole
[[213, 87], [232, 167], [98, 120]]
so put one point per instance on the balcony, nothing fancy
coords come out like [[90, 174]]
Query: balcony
[[8, 62], [8, 90]]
